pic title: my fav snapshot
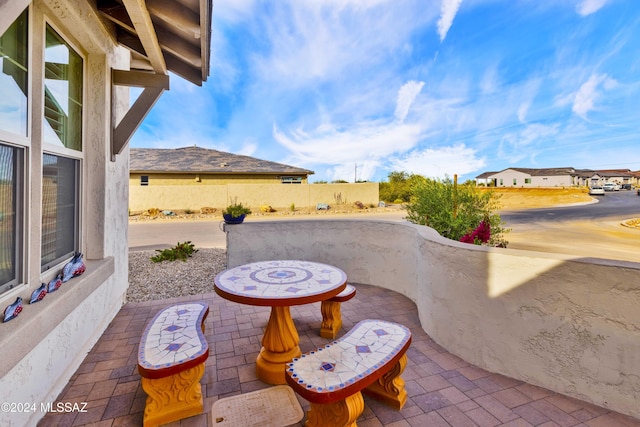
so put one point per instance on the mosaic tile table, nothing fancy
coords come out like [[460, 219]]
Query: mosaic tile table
[[370, 359], [171, 362], [279, 284]]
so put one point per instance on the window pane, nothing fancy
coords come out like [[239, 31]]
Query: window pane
[[13, 77], [10, 215], [63, 93], [59, 209]]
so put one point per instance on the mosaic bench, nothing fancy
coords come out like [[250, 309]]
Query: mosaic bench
[[331, 316], [368, 359], [171, 362]]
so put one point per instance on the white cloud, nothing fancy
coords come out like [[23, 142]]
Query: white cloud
[[587, 7], [406, 95], [438, 162], [526, 143], [448, 10], [588, 93], [310, 42], [365, 141], [522, 111]]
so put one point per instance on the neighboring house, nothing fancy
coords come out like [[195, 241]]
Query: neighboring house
[[525, 177], [193, 178], [202, 166], [65, 71], [484, 178], [555, 177], [617, 176]]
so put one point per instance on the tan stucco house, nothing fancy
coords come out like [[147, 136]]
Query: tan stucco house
[[194, 178], [65, 121], [197, 166]]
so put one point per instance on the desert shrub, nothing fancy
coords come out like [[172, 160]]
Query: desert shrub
[[181, 251], [456, 211]]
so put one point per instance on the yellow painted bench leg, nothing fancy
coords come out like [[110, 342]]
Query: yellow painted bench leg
[[174, 397], [331, 319], [342, 413], [389, 389]]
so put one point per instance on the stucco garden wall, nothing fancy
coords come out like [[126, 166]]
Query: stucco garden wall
[[48, 341], [569, 325], [279, 196]]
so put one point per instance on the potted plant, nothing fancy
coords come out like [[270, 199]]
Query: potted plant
[[235, 213]]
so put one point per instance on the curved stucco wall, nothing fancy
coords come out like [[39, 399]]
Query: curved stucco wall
[[567, 324]]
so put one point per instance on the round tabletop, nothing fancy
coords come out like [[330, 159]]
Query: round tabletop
[[280, 283]]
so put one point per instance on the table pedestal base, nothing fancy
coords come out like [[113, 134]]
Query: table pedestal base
[[279, 346]]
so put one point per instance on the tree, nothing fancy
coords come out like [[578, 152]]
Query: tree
[[398, 189], [456, 211]]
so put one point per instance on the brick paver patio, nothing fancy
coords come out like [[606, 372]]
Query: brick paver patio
[[443, 389]]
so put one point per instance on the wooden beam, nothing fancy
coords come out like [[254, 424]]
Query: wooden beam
[[154, 85], [177, 15], [183, 69], [137, 10], [116, 13], [139, 79]]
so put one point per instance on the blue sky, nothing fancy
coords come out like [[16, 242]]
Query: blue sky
[[359, 88]]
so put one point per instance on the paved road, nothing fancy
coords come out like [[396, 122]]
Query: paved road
[[592, 231], [614, 205], [584, 231]]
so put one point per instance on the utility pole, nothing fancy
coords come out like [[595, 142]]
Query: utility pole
[[355, 174]]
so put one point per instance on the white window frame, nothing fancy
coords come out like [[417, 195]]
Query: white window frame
[[62, 151], [290, 179], [23, 143]]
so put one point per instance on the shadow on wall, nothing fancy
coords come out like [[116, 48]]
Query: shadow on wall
[[567, 324]]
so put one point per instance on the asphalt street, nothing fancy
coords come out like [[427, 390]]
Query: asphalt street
[[587, 231]]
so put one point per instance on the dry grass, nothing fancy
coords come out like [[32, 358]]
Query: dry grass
[[526, 198]]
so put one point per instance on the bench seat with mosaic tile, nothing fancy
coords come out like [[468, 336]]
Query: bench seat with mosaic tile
[[171, 362], [368, 359], [331, 315]]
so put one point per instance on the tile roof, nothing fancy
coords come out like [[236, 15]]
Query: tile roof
[[203, 160], [485, 175]]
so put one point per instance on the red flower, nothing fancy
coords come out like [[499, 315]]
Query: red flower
[[480, 235]]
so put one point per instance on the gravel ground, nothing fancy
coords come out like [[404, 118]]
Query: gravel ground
[[150, 280]]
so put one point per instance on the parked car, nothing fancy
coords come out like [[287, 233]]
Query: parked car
[[609, 186], [625, 187], [596, 190]]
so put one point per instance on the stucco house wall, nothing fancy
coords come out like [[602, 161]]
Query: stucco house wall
[[46, 343], [514, 178], [567, 324]]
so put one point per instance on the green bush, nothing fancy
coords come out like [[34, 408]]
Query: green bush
[[455, 210], [399, 187], [236, 209], [181, 251]]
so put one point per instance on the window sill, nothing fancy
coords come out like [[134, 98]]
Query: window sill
[[36, 321]]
